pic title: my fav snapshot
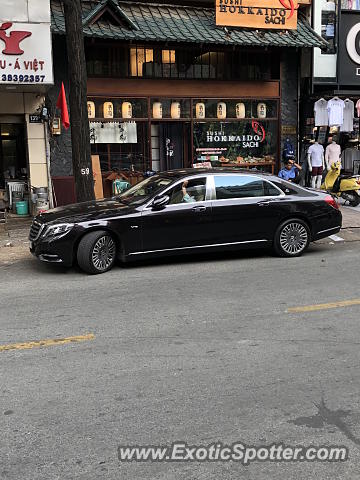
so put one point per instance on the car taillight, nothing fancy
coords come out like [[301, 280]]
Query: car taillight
[[331, 201]]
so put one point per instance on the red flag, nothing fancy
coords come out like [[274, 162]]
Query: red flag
[[61, 104]]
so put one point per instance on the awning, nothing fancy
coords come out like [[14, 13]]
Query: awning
[[151, 22]]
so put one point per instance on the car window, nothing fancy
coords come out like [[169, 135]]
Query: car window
[[238, 186], [290, 189], [188, 191], [142, 190], [270, 190]]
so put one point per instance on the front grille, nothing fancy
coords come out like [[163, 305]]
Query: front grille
[[35, 230]]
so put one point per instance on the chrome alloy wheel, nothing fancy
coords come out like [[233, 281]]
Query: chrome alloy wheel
[[293, 238], [103, 253]]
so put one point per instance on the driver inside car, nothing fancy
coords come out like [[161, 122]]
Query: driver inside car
[[186, 197]]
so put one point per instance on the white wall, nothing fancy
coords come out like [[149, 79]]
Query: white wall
[[33, 11]]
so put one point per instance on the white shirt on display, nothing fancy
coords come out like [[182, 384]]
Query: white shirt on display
[[316, 152], [348, 125], [335, 109], [321, 113]]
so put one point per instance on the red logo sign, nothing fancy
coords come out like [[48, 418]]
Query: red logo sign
[[289, 5], [12, 41], [258, 129]]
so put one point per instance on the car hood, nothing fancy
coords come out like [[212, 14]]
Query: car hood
[[85, 211]]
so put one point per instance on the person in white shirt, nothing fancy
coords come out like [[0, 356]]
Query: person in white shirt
[[315, 157], [332, 153], [335, 109]]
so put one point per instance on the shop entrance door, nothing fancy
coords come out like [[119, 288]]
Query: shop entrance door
[[174, 145], [12, 153]]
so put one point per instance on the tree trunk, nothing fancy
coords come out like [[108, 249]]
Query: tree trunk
[[80, 135]]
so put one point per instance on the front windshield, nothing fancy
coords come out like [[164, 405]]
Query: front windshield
[[144, 189]]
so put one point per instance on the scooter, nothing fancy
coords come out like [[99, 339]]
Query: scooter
[[344, 186]]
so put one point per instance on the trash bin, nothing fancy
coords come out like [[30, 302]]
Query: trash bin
[[22, 208], [16, 197]]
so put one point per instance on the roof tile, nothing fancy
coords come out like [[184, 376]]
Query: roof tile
[[183, 24]]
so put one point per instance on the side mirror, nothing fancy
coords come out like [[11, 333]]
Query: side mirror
[[160, 202]]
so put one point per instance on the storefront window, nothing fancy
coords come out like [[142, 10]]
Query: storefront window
[[350, 4], [184, 63], [246, 142], [141, 61], [106, 61], [120, 145], [328, 25]]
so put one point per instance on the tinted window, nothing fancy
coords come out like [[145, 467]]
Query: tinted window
[[188, 191], [142, 190], [238, 186], [291, 189], [270, 190]]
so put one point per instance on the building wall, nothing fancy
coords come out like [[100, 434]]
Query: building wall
[[19, 101], [289, 94], [61, 163]]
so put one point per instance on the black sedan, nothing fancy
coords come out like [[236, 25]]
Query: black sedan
[[186, 211]]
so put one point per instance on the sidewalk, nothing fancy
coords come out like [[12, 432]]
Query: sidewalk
[[350, 231], [14, 243]]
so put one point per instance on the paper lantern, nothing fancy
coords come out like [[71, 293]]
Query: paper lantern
[[261, 110], [175, 110], [200, 110], [157, 110], [91, 109], [240, 110], [108, 110], [221, 110], [126, 110]]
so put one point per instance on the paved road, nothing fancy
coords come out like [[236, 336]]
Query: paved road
[[200, 350]]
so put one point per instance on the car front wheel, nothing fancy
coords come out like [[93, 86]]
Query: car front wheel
[[292, 238], [96, 252]]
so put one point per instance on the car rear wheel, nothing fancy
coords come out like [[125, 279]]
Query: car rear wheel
[[292, 238], [96, 252]]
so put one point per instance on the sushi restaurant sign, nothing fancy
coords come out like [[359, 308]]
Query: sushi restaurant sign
[[267, 14]]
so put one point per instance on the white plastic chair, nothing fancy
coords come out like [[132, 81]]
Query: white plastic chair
[[15, 187]]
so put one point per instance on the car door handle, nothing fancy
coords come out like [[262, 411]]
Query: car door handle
[[264, 203], [199, 209]]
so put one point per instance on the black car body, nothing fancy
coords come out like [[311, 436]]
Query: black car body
[[186, 211]]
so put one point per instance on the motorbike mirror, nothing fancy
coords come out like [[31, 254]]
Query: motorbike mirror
[[160, 201]]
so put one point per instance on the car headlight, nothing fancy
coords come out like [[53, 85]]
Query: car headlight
[[57, 231]]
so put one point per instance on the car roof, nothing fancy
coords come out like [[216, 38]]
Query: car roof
[[185, 172]]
